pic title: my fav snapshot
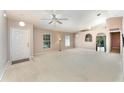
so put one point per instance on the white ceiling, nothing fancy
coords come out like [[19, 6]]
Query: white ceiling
[[77, 19]]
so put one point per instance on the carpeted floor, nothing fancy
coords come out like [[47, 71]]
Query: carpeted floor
[[72, 65]]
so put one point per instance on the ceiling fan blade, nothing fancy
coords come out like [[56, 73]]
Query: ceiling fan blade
[[54, 16], [59, 22], [62, 18], [50, 22], [45, 19]]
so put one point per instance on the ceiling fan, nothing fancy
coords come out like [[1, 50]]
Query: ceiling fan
[[54, 19]]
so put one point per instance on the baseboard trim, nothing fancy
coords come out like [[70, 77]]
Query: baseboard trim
[[4, 69]]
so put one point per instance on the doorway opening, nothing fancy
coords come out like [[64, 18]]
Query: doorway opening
[[115, 42], [101, 42]]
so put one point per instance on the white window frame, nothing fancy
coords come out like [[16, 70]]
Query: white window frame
[[43, 40], [67, 40]]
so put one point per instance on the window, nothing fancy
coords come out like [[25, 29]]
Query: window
[[88, 38], [46, 41], [67, 41]]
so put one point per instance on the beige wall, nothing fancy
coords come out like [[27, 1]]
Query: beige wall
[[28, 27], [38, 40], [3, 43], [114, 22], [80, 38]]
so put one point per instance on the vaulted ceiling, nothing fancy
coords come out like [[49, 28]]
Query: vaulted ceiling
[[77, 19]]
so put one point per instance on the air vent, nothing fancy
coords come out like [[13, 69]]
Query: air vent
[[84, 30], [114, 29]]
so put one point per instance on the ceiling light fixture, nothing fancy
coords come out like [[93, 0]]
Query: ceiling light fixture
[[21, 23], [4, 14], [60, 39]]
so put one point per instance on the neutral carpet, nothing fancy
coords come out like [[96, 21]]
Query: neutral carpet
[[72, 65]]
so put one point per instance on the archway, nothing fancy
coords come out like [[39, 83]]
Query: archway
[[101, 42]]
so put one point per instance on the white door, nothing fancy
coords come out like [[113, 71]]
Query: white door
[[19, 44]]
